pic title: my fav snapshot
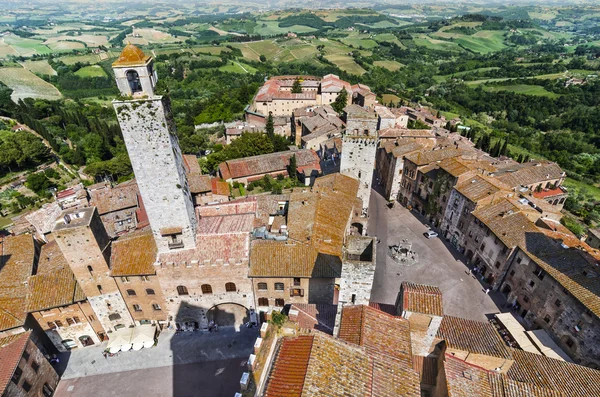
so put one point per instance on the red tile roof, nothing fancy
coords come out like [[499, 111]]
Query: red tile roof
[[421, 298], [376, 330], [268, 163], [316, 316], [11, 351], [119, 197], [134, 254], [289, 368], [472, 336]]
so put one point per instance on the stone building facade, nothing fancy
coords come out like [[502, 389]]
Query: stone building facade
[[562, 308], [27, 371], [85, 245], [358, 271], [359, 149], [147, 128]]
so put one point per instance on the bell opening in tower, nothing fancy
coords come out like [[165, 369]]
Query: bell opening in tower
[[134, 81]]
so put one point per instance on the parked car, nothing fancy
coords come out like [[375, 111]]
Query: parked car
[[430, 234]]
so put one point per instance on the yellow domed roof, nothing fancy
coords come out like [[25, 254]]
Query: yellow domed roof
[[131, 56]]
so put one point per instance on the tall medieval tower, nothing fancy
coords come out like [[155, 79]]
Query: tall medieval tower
[[85, 244], [149, 134], [359, 148]]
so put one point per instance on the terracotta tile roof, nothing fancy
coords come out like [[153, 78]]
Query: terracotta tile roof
[[131, 56], [421, 298], [427, 368], [273, 88], [44, 218], [133, 254], [282, 259], [17, 256], [119, 197], [391, 133], [570, 379], [466, 380], [11, 351], [358, 112], [332, 83], [232, 248], [472, 336], [239, 223], [268, 163], [377, 331], [572, 267], [549, 193], [316, 316], [393, 378], [478, 188], [241, 206], [432, 156], [321, 215], [384, 307], [289, 368], [530, 173], [54, 284]]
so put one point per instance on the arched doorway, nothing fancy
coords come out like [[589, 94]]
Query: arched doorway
[[356, 228], [228, 315]]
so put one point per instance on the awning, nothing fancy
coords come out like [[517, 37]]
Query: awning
[[547, 345], [516, 330], [119, 340], [143, 336]]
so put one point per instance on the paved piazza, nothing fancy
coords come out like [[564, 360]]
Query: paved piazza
[[437, 263], [184, 365]]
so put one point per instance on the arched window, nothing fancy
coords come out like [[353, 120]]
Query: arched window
[[279, 302], [182, 290], [230, 287], [134, 81], [114, 316], [131, 292], [262, 286], [149, 291], [206, 289], [263, 302], [279, 287]]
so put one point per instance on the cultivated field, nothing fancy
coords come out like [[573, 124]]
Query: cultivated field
[[154, 36], [89, 40], [346, 63], [524, 89], [39, 67], [27, 85], [389, 65], [91, 71], [24, 47]]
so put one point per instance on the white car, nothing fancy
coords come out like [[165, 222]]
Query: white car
[[430, 234]]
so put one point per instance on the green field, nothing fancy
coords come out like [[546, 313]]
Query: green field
[[39, 67], [524, 89], [27, 85], [484, 41], [346, 63], [434, 44], [26, 47], [237, 67], [91, 71], [389, 65], [73, 59], [387, 98], [592, 190], [267, 28], [360, 41]]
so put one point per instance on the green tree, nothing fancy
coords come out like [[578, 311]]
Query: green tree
[[38, 182], [293, 167], [341, 101], [504, 149], [263, 58], [297, 87], [270, 128]]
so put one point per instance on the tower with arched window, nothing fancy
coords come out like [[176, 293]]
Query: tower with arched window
[[151, 141]]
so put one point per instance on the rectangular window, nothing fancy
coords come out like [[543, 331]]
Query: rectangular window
[[125, 279], [519, 259], [92, 318], [512, 273], [35, 366], [58, 323], [26, 386], [16, 375], [137, 308], [26, 355], [70, 321], [297, 292], [558, 303], [77, 320], [156, 306], [279, 287], [296, 281], [531, 283]]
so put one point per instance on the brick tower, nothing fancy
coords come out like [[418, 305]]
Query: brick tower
[[153, 147]]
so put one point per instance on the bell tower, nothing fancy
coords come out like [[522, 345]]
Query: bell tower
[[149, 135]]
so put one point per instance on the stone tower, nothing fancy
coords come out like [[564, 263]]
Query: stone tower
[[359, 148], [358, 272], [149, 134], [85, 244]]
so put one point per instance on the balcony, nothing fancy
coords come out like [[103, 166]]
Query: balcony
[[176, 244]]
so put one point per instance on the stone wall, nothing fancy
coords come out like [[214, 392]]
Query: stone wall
[[389, 172], [80, 326], [107, 306], [146, 293], [194, 305], [546, 304], [45, 375], [149, 134], [358, 161]]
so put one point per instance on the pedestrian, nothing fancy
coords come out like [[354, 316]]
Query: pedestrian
[[487, 290]]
